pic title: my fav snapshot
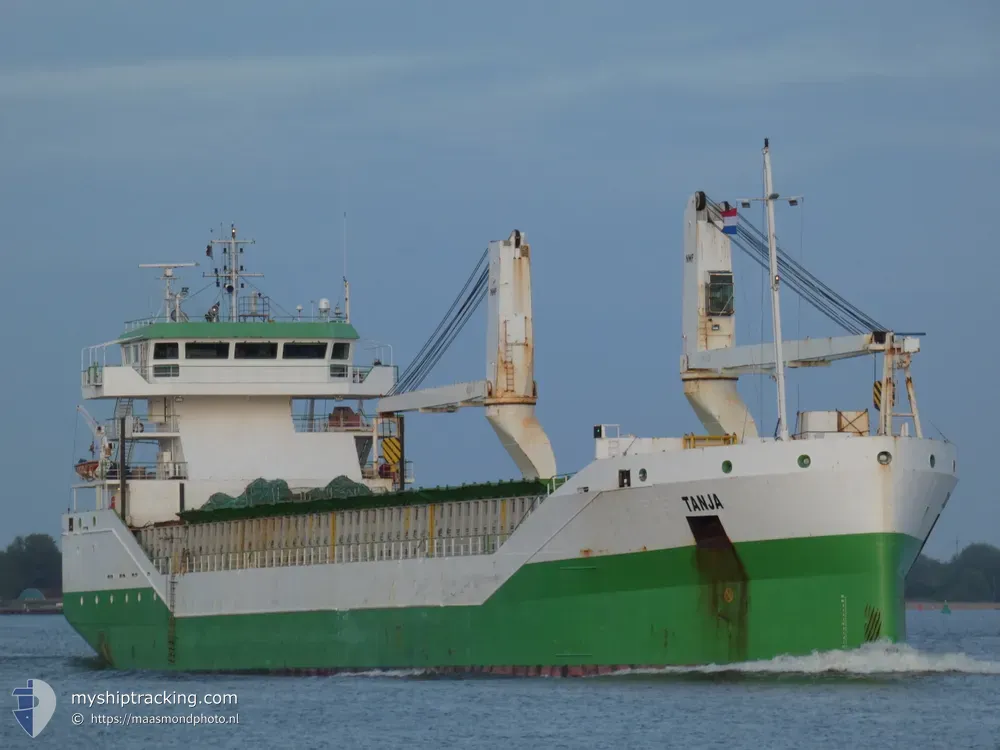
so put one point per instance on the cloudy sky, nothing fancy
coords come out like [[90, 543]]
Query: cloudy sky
[[128, 131]]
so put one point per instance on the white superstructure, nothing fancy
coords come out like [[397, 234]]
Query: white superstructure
[[208, 406]]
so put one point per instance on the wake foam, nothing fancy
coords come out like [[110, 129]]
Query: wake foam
[[871, 659], [874, 660], [396, 673]]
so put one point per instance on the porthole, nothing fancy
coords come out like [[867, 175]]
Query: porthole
[[81, 601], [154, 596], [804, 461], [933, 460], [884, 458], [727, 466], [126, 598], [112, 599], [642, 475], [96, 598], [138, 597]]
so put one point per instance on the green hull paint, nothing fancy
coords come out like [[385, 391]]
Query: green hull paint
[[681, 606]]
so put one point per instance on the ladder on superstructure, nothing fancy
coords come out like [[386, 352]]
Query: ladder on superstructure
[[508, 367], [508, 361]]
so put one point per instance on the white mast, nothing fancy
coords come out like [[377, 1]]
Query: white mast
[[779, 363], [347, 285], [171, 300], [232, 270]]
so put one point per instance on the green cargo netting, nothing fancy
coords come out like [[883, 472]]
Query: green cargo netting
[[359, 497], [271, 492]]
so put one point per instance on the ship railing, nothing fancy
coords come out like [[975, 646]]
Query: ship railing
[[131, 325], [93, 360], [216, 372], [558, 481], [143, 425], [383, 470], [139, 471], [101, 496], [243, 316], [280, 557], [336, 422], [96, 355]]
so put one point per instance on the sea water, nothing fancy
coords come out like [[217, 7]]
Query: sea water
[[941, 689]]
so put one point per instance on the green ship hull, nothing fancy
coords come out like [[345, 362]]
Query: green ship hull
[[685, 606]]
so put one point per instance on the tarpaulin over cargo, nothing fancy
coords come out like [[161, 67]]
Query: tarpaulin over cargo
[[343, 494], [274, 491]]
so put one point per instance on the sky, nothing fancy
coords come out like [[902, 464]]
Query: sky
[[128, 131]]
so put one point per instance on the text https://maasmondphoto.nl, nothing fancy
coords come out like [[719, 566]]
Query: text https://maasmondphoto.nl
[[36, 705]]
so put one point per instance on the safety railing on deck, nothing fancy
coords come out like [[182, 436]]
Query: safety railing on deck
[[484, 544], [242, 317], [218, 372], [334, 422], [142, 425], [382, 470], [558, 481], [150, 470], [339, 537]]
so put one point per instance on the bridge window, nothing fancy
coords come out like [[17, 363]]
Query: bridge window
[[166, 350], [720, 294], [166, 371], [130, 354], [304, 351], [341, 350], [206, 350], [256, 350]]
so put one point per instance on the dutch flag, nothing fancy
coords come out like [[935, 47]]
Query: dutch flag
[[729, 219]]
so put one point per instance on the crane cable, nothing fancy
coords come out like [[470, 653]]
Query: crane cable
[[468, 300], [753, 242]]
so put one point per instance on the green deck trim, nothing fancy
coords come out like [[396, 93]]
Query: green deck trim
[[307, 331], [666, 607], [422, 496]]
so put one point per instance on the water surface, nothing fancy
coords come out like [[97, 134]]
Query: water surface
[[939, 690]]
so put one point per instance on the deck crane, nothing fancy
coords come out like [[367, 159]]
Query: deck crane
[[509, 392], [711, 361]]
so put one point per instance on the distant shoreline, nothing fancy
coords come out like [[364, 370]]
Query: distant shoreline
[[953, 605]]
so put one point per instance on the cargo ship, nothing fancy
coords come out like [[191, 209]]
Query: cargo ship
[[248, 504]]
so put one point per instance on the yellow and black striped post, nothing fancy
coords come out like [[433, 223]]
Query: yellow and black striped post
[[391, 450], [877, 395]]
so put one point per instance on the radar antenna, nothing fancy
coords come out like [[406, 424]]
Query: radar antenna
[[171, 309]]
